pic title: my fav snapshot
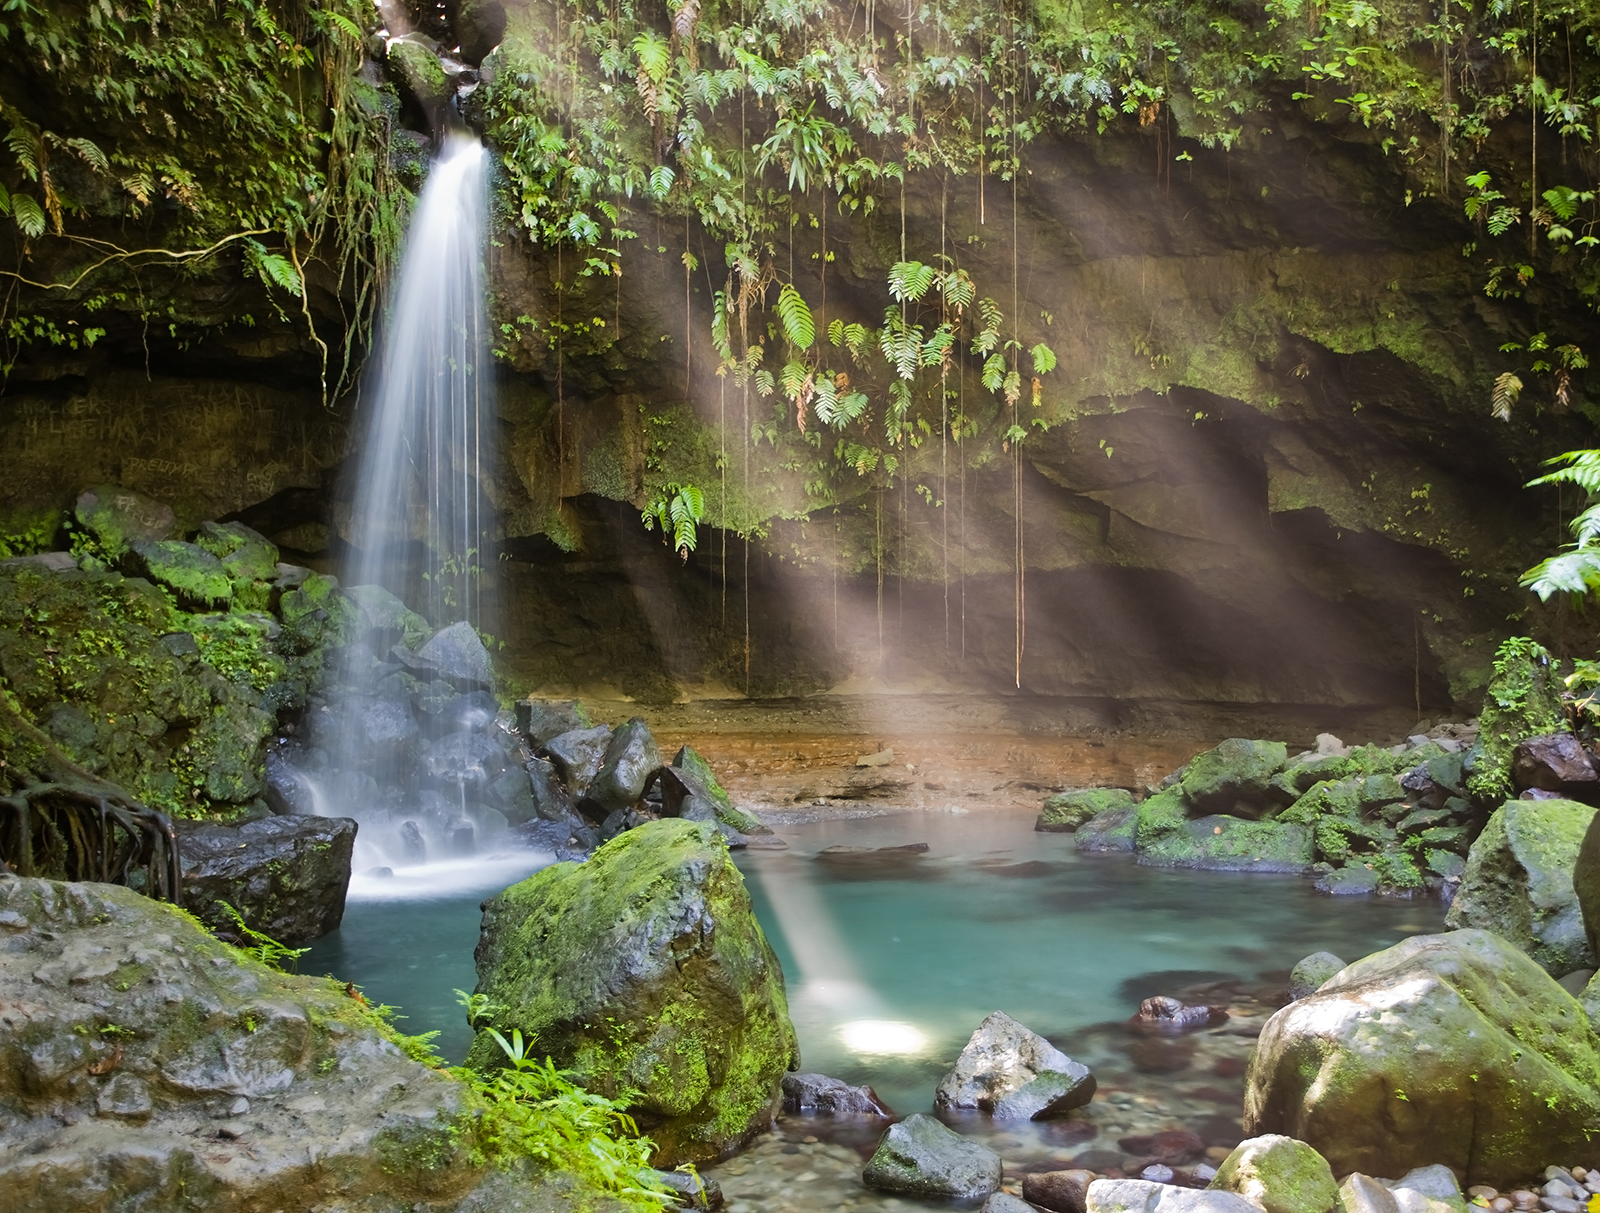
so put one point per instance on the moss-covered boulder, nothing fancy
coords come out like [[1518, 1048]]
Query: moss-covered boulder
[[689, 760], [248, 557], [1112, 830], [645, 971], [193, 574], [116, 516], [1280, 1174], [1519, 882], [146, 1065], [1235, 777], [1065, 811], [1523, 700], [1455, 1049]]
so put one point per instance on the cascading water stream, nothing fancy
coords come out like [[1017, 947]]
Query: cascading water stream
[[413, 748]]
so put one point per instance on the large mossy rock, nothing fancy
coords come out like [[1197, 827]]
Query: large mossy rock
[[1065, 811], [1280, 1174], [116, 516], [1455, 1049], [1112, 830], [1523, 700], [286, 876], [644, 970], [1236, 777], [146, 1066], [1519, 882], [1219, 842]]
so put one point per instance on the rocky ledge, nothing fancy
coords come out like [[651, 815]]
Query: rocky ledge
[[146, 1065]]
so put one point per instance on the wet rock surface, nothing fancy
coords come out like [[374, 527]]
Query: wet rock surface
[[921, 1157], [145, 1065], [645, 970], [819, 1095], [286, 876], [1014, 1074], [1421, 1018]]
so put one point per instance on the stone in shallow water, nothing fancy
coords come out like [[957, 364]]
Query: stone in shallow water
[[1279, 1174], [1004, 1202], [1066, 811], [1109, 831], [1142, 1196], [920, 1157], [1058, 1191], [1311, 972], [824, 1096], [1014, 1074], [286, 875]]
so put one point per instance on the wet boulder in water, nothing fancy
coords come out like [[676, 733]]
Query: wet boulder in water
[[578, 755], [387, 723], [411, 842], [541, 719], [284, 788], [1169, 1016], [1004, 1202], [630, 758], [471, 713], [1235, 777], [469, 760], [384, 620], [458, 655], [513, 796], [1308, 975], [1520, 882], [920, 1157], [286, 876], [1111, 830], [1498, 1065], [691, 775], [645, 970], [823, 1096], [1144, 1196], [1014, 1074], [1058, 1191], [1066, 811]]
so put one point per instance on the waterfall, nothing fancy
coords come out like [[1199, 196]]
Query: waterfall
[[411, 741], [418, 520]]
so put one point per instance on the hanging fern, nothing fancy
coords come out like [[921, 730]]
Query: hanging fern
[[910, 280], [677, 511], [798, 326], [1507, 387]]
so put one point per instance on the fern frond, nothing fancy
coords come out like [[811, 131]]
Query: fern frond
[[1044, 359], [798, 326], [1507, 387]]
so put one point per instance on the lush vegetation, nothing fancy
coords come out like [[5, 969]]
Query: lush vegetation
[[159, 141]]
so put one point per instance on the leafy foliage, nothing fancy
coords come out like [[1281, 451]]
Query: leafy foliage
[[1575, 570], [677, 511], [261, 946]]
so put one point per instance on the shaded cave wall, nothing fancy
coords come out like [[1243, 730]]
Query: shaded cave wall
[[1268, 475]]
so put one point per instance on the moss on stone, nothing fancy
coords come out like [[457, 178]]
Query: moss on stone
[[1066, 811], [1523, 700], [193, 574], [645, 972], [1279, 1174]]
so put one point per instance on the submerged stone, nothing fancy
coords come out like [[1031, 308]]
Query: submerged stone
[[920, 1157], [644, 970]]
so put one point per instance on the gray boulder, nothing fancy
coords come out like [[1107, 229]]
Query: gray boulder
[[631, 757], [1554, 762], [1143, 1196], [383, 613], [920, 1157], [458, 655], [1310, 973], [1519, 882], [541, 719], [1423, 1054], [1004, 1202], [465, 760], [144, 1065], [1431, 1189], [578, 756], [1111, 830], [286, 876], [1014, 1074], [824, 1096]]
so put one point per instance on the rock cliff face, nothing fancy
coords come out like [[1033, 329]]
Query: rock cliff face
[[1265, 469]]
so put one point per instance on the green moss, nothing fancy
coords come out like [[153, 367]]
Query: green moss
[[1523, 700], [1066, 811], [193, 574], [1161, 820], [694, 1033]]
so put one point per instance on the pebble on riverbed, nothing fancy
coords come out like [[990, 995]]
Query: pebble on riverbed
[[1565, 1190]]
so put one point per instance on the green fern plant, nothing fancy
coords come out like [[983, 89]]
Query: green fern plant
[[677, 511]]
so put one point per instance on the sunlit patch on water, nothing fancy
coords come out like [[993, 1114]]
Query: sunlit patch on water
[[883, 1038]]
